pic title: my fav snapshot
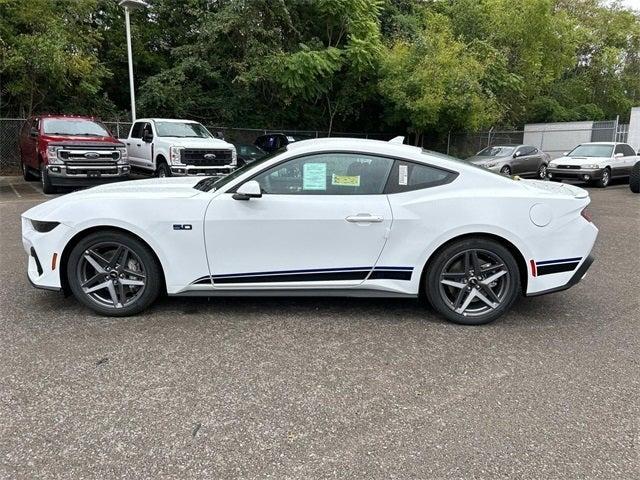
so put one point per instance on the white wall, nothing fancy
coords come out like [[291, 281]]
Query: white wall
[[634, 129], [557, 138]]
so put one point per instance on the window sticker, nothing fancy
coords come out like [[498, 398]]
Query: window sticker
[[345, 180], [403, 174], [314, 176], [290, 138]]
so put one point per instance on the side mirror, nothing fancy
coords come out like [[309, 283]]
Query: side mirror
[[618, 155], [147, 138], [517, 154], [33, 132], [564, 154], [247, 190]]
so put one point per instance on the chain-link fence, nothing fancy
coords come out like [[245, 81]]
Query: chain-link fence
[[10, 133], [552, 138]]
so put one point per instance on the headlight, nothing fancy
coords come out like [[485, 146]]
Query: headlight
[[124, 155], [490, 164], [553, 165], [234, 157], [43, 227], [52, 155], [593, 165], [175, 155]]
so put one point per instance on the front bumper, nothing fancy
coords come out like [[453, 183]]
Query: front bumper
[[44, 252], [582, 174], [184, 170], [86, 176]]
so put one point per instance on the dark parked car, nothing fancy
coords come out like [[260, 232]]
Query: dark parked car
[[248, 153], [522, 160], [275, 141]]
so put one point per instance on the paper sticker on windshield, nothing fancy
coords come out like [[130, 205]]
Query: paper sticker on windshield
[[345, 180], [314, 176], [403, 174], [290, 138]]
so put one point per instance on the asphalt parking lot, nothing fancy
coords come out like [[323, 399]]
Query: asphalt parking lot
[[324, 388]]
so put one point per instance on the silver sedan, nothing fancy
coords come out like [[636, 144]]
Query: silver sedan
[[522, 160]]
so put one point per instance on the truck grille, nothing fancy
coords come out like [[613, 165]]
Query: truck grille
[[90, 161], [89, 154], [206, 157]]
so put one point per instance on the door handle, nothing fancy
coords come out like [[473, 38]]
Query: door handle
[[138, 144], [128, 144], [364, 218]]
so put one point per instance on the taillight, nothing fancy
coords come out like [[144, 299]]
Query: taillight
[[586, 214]]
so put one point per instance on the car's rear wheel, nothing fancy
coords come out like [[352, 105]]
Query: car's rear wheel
[[473, 281], [634, 178], [113, 274]]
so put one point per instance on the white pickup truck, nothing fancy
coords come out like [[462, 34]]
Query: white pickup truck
[[165, 147]]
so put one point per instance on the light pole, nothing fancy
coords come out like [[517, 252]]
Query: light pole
[[129, 5]]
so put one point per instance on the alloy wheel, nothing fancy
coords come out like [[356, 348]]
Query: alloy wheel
[[605, 178], [474, 282], [542, 172], [505, 170], [111, 275]]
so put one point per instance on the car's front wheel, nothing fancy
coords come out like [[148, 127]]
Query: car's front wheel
[[606, 178], [113, 273], [473, 281]]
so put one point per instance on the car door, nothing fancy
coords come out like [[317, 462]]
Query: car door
[[322, 221], [134, 143], [30, 146], [146, 146], [629, 158], [527, 162], [618, 162]]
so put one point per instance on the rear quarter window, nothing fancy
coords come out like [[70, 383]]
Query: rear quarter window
[[408, 176]]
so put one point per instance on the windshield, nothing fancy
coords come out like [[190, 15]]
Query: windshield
[[182, 129], [211, 184], [496, 151], [591, 150], [74, 126]]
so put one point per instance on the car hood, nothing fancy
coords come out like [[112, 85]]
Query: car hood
[[193, 142], [155, 188], [480, 160], [579, 160]]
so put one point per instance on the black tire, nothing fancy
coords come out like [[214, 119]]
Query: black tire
[[634, 178], [506, 170], [444, 298], [163, 170], [604, 181], [45, 181], [26, 173], [145, 263], [542, 172]]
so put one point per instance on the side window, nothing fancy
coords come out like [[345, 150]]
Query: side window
[[136, 131], [618, 150], [526, 150], [36, 124], [147, 130], [328, 174], [408, 176], [627, 150]]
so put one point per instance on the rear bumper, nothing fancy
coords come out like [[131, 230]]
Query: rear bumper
[[575, 278], [582, 174]]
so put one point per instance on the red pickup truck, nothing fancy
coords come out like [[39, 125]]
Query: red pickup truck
[[71, 151]]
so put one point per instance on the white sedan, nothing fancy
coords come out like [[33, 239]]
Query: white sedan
[[327, 217]]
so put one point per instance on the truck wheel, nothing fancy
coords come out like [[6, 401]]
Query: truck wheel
[[45, 181], [26, 174], [163, 170], [634, 179]]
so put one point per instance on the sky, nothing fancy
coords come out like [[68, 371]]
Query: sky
[[635, 4]]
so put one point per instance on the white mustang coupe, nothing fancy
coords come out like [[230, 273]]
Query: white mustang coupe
[[328, 217]]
